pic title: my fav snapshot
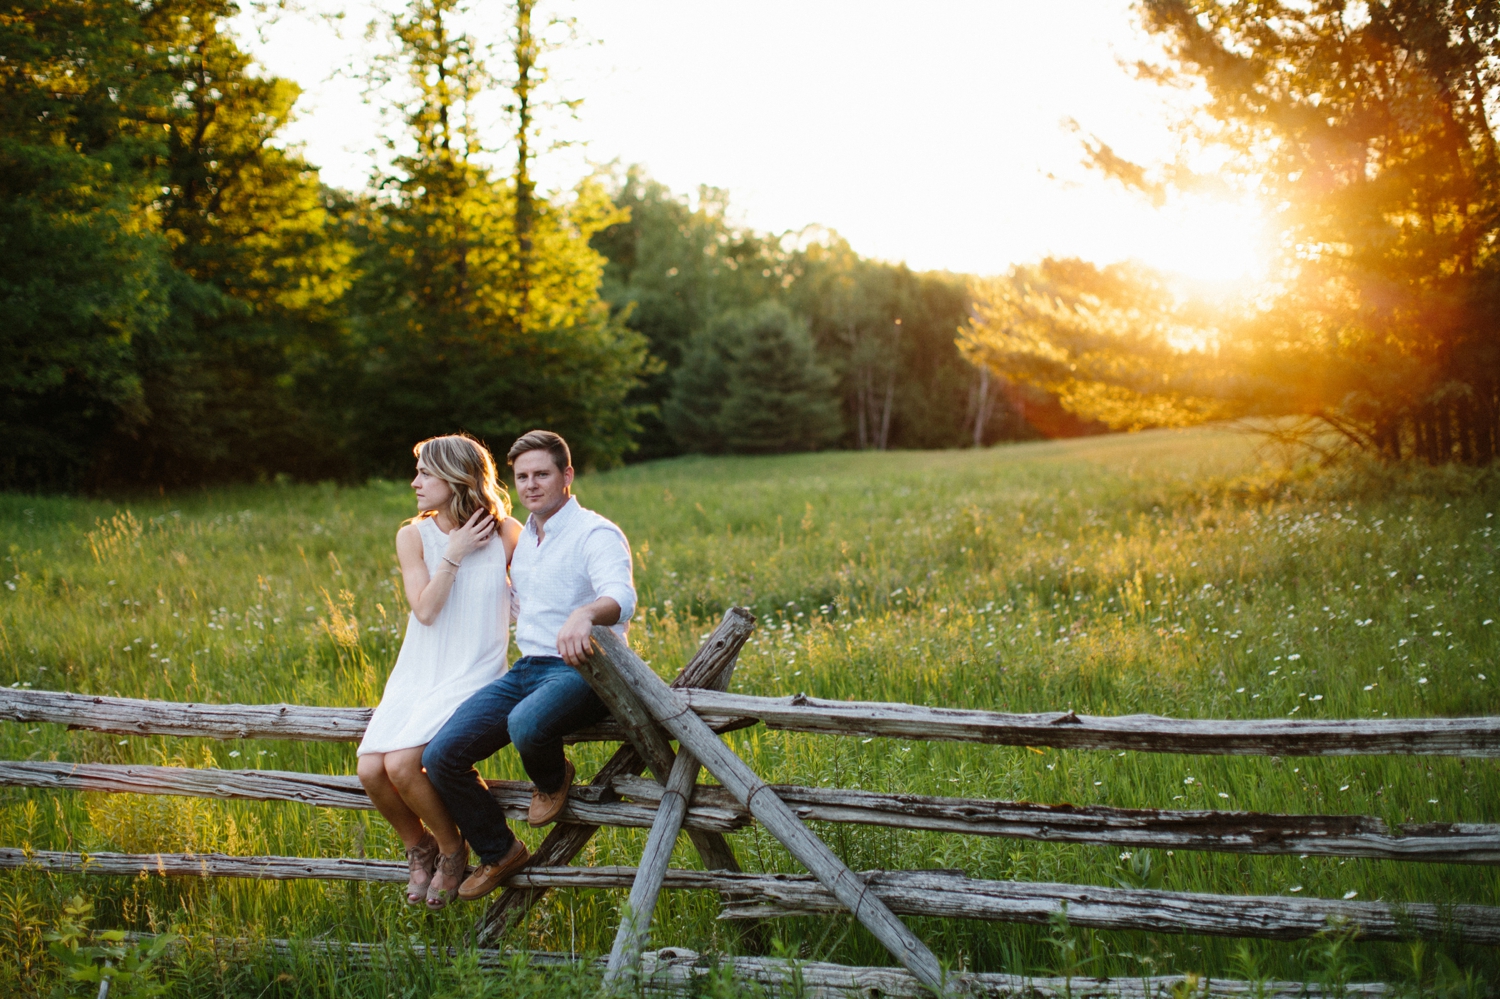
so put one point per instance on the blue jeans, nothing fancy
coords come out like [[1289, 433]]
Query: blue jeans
[[540, 700]]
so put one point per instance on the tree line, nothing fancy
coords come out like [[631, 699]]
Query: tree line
[[1367, 128], [182, 300]]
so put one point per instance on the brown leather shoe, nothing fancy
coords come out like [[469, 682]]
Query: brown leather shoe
[[488, 876], [546, 807]]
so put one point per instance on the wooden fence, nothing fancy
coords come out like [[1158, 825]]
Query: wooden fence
[[648, 715]]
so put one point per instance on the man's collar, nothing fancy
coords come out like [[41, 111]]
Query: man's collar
[[559, 519]]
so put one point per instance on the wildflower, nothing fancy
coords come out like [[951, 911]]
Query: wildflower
[[1369, 686], [1317, 697], [1432, 801], [1344, 787], [1223, 795], [1295, 888], [1422, 680], [1126, 855], [1294, 656], [1187, 780], [234, 752], [1349, 894]]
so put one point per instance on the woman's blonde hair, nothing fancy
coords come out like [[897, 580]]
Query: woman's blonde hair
[[467, 467]]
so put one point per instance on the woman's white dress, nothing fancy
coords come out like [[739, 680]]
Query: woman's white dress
[[444, 662]]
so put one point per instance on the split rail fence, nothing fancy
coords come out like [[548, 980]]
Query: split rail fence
[[648, 715]]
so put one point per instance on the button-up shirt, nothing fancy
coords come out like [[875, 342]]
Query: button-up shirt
[[580, 558]]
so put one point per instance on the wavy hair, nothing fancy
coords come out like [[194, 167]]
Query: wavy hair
[[469, 469]]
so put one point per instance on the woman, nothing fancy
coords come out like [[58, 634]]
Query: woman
[[456, 641]]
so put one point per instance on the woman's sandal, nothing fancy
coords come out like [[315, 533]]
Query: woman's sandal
[[454, 866], [421, 861]]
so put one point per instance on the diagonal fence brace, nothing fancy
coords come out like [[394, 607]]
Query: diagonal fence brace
[[693, 734]]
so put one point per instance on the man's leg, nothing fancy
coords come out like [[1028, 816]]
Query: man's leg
[[560, 701], [477, 730]]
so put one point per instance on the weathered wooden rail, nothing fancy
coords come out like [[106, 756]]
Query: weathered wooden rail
[[1471, 737], [648, 715], [909, 893], [677, 970], [714, 809]]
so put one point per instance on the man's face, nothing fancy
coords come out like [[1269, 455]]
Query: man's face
[[543, 487]]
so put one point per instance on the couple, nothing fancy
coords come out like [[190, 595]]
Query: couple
[[450, 701]]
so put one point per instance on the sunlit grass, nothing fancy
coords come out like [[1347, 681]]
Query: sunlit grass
[[1165, 573]]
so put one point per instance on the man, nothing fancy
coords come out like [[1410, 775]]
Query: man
[[571, 570]]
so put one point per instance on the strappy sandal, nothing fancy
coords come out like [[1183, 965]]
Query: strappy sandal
[[421, 861], [453, 865]]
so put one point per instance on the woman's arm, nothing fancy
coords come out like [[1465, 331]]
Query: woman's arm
[[427, 593]]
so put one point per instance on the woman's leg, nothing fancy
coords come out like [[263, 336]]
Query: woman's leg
[[387, 799], [403, 767]]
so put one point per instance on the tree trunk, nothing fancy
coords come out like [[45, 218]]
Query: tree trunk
[[526, 55]]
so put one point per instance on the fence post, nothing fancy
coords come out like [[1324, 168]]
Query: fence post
[[635, 925], [673, 712]]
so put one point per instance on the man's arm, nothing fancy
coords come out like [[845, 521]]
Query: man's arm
[[607, 562]]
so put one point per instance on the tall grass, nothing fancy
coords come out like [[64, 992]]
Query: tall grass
[[1166, 572]]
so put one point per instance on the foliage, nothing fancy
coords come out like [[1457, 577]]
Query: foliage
[[1364, 128], [454, 329], [96, 956], [1104, 341], [750, 382], [885, 332], [83, 276]]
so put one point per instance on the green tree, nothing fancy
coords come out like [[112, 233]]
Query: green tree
[[1366, 127], [672, 267], [248, 223], [450, 330], [165, 266], [751, 383], [84, 280]]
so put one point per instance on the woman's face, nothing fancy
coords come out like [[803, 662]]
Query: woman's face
[[432, 492]]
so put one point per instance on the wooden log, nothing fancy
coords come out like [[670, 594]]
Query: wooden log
[[635, 924], [917, 893], [711, 666], [294, 722], [671, 709], [715, 810], [322, 791], [675, 971], [945, 894], [1475, 736], [1212, 831], [206, 865]]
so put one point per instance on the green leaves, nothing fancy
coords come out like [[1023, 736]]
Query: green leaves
[[93, 956]]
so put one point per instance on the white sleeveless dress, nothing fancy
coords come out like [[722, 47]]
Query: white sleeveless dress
[[441, 664]]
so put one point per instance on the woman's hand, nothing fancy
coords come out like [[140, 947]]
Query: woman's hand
[[474, 534]]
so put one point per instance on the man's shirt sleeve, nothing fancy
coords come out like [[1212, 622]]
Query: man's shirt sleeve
[[607, 559]]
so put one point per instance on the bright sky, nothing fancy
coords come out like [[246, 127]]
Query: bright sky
[[932, 133]]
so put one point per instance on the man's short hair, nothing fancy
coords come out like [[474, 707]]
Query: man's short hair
[[541, 440]]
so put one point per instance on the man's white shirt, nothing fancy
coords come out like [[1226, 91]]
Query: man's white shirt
[[581, 557]]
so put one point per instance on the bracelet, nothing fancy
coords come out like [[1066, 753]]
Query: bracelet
[[450, 562]]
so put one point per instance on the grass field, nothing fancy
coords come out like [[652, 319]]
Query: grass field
[[1169, 572]]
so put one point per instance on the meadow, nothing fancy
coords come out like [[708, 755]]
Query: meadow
[[1178, 573]]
